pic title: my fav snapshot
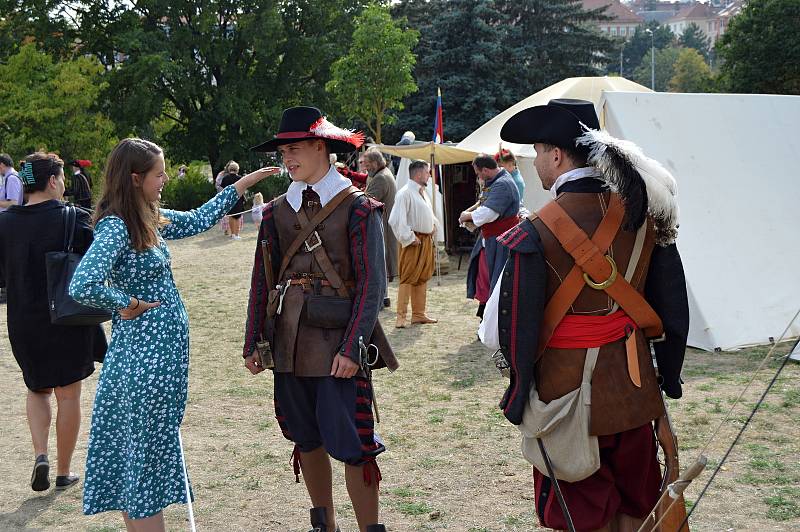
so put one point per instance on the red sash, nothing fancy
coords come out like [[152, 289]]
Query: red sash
[[576, 331], [499, 226]]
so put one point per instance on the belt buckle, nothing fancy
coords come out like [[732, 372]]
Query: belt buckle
[[315, 240]]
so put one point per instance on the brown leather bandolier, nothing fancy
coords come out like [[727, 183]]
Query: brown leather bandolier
[[586, 275]]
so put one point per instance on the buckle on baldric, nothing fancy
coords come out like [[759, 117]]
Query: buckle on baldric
[[608, 282], [315, 242]]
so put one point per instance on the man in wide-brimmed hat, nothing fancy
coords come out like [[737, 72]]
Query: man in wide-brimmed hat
[[318, 283], [592, 278]]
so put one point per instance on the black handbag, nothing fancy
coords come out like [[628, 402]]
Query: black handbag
[[61, 266]]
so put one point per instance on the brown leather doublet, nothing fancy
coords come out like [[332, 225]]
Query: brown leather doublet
[[299, 348], [617, 404]]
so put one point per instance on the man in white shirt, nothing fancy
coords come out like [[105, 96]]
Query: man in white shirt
[[414, 224]]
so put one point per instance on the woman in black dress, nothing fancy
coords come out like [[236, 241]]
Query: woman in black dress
[[51, 357], [235, 214]]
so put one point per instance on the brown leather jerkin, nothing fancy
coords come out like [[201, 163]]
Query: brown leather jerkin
[[618, 402]]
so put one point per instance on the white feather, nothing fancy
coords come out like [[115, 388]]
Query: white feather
[[662, 189]]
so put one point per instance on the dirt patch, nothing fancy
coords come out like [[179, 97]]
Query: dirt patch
[[453, 461]]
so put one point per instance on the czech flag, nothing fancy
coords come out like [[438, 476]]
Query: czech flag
[[438, 125]]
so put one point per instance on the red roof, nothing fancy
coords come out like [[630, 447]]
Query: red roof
[[614, 9], [696, 11]]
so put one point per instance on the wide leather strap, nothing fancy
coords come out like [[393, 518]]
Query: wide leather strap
[[311, 226], [324, 261], [590, 258]]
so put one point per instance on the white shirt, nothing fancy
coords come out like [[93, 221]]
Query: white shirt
[[326, 188], [573, 175], [412, 212], [483, 215]]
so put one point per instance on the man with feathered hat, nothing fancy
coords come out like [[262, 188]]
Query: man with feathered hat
[[318, 283], [593, 278]]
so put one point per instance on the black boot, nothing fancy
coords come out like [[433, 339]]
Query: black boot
[[376, 528], [319, 519]]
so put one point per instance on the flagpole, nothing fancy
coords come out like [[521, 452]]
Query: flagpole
[[438, 138]]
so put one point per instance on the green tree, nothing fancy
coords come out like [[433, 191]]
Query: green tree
[[374, 77], [460, 50], [488, 54], [44, 22], [760, 51], [549, 40], [665, 68], [213, 76], [693, 37], [635, 49], [52, 106], [692, 74]]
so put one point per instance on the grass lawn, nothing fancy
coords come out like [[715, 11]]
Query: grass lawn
[[453, 461]]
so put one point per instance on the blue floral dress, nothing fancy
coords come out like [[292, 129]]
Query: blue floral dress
[[134, 462]]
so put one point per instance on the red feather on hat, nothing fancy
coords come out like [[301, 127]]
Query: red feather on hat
[[323, 128]]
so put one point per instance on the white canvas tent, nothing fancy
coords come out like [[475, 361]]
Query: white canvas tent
[[486, 138], [734, 157]]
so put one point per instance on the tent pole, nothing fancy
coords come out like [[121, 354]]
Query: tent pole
[[434, 199]]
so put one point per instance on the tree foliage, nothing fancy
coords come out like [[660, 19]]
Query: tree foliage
[[52, 106], [760, 49], [693, 37], [692, 74], [374, 77], [664, 68], [44, 22], [214, 74], [639, 45], [488, 54]]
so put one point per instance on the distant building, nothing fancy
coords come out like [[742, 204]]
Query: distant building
[[711, 20], [623, 21]]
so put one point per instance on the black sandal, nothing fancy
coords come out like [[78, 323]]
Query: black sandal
[[40, 480]]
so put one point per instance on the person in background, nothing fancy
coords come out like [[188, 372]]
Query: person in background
[[182, 171], [413, 224], [497, 211], [54, 359], [134, 462], [80, 189], [382, 186], [235, 214], [507, 160], [224, 222], [358, 179], [11, 191], [406, 139], [258, 207]]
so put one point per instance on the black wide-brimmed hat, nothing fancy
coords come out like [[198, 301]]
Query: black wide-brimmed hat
[[558, 123], [306, 123]]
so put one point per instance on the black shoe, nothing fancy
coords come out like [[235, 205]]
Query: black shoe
[[376, 528], [387, 302], [40, 480], [65, 481]]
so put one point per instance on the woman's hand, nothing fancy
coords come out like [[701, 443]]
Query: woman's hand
[[254, 177], [137, 308]]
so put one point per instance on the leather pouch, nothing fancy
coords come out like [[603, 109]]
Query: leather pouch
[[264, 351], [273, 299], [327, 312]]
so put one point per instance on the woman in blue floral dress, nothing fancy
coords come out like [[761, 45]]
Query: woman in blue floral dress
[[134, 457]]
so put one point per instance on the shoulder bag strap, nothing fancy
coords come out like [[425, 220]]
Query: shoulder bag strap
[[69, 227], [306, 230]]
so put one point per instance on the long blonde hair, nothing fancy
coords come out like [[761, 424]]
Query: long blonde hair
[[121, 197]]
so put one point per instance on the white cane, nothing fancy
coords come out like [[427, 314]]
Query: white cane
[[186, 484]]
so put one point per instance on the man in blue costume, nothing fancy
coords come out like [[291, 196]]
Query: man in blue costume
[[496, 213]]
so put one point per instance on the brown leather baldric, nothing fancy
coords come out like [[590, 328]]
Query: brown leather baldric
[[618, 402], [308, 351]]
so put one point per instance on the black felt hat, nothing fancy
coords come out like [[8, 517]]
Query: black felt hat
[[557, 123], [305, 123]]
